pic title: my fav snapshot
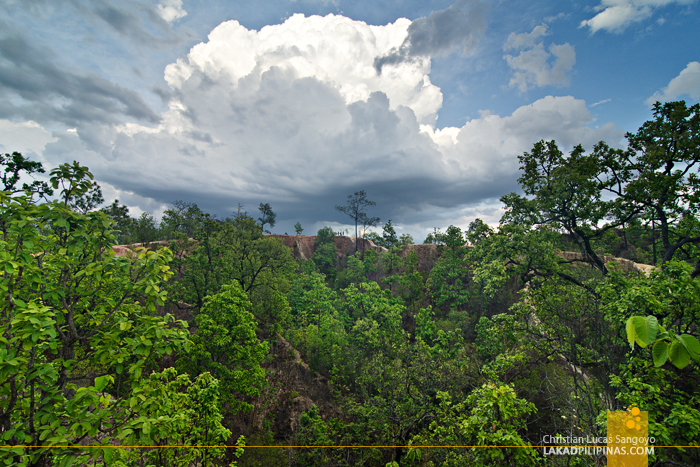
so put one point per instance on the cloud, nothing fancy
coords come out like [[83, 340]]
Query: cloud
[[295, 115], [171, 10], [25, 137], [32, 86], [535, 65], [617, 15], [604, 101], [686, 83], [140, 21], [526, 39], [458, 27]]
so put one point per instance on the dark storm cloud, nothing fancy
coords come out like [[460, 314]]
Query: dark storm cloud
[[458, 27], [34, 87]]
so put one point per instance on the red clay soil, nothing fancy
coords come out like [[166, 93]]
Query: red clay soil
[[303, 245]]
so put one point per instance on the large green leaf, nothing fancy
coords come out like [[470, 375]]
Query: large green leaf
[[660, 353], [630, 331], [101, 382], [642, 330], [678, 354], [691, 344]]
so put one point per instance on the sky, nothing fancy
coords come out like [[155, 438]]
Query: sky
[[424, 105]]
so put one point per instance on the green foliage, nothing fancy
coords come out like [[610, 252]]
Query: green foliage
[[78, 326], [325, 253], [78, 190], [182, 221], [495, 336], [144, 229], [174, 412], [314, 431], [298, 229], [16, 163], [325, 236], [672, 297], [492, 415], [389, 238], [565, 194], [449, 278], [425, 325], [123, 224], [657, 173], [267, 216], [354, 272], [227, 346], [478, 231], [679, 349], [670, 397], [434, 237], [325, 258], [318, 327], [235, 250]]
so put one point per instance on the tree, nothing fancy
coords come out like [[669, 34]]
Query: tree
[[325, 253], [78, 329], [658, 175], [183, 220], [16, 163], [491, 415], [356, 210], [478, 231], [565, 195], [366, 222], [297, 228], [234, 250], [144, 229], [227, 347], [267, 216], [434, 237], [389, 239], [449, 279], [122, 221], [78, 189]]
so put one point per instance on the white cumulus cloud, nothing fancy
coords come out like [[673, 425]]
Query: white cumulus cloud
[[686, 83], [616, 15], [296, 115], [536, 65]]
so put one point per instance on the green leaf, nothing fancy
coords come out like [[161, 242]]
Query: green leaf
[[630, 331], [101, 382], [660, 353], [642, 330], [691, 344], [678, 354]]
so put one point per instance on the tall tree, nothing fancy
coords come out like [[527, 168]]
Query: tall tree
[[658, 174], [356, 210], [565, 193], [123, 223], [76, 337], [182, 219], [267, 216]]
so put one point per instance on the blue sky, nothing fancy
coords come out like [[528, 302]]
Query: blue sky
[[424, 105]]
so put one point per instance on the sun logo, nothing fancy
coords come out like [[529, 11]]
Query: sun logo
[[633, 417]]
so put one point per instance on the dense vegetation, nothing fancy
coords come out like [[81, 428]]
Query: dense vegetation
[[223, 338]]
